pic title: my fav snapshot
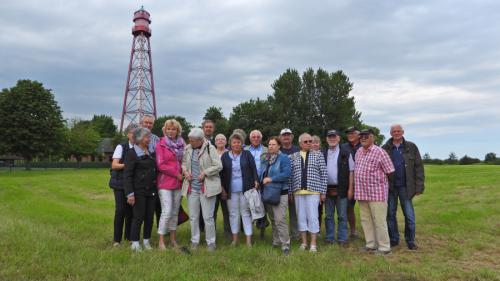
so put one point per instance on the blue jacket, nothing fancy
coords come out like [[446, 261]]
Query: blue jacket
[[279, 171], [248, 171]]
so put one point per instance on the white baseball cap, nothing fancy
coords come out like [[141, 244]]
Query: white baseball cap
[[285, 131]]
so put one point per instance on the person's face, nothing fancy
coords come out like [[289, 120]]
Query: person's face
[[220, 142], [273, 147], [333, 140], [397, 133], [367, 140], [208, 129], [286, 138], [171, 131], [147, 122], [235, 145], [353, 137], [305, 143], [195, 143], [255, 139], [145, 140], [316, 144]]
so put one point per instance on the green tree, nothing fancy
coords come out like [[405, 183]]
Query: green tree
[[104, 125], [160, 121], [452, 159], [83, 140], [215, 114], [31, 121], [490, 157], [251, 115]]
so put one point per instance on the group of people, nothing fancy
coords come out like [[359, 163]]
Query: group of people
[[151, 175]]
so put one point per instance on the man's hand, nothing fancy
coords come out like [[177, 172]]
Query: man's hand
[[223, 194], [418, 193], [291, 199], [267, 180], [322, 197], [350, 194]]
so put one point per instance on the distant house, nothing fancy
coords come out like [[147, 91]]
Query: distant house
[[104, 152]]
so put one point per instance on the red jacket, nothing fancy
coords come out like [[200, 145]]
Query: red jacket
[[168, 167]]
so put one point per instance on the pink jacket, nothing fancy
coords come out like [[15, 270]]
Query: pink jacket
[[168, 167]]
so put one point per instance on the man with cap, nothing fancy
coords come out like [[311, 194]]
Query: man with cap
[[340, 177], [373, 166], [287, 147], [407, 182], [352, 145]]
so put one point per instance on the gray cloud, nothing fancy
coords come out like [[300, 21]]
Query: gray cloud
[[431, 65]]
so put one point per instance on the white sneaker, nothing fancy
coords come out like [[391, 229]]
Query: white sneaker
[[302, 247], [136, 247], [313, 249], [147, 246]]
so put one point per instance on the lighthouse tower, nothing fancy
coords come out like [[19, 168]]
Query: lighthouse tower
[[139, 97]]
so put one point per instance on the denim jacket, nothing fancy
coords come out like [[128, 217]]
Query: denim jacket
[[279, 171]]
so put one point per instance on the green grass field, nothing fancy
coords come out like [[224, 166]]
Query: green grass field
[[57, 225]]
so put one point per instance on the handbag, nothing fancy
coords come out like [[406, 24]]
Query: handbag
[[271, 195], [182, 217]]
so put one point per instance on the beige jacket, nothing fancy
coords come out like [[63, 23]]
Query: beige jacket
[[209, 163]]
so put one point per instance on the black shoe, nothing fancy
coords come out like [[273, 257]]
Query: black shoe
[[343, 244], [412, 247], [394, 244], [285, 251], [367, 250], [382, 253]]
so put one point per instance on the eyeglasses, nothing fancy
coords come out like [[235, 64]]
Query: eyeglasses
[[364, 136], [307, 141]]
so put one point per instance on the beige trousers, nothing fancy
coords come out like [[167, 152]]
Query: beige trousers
[[277, 214], [374, 222]]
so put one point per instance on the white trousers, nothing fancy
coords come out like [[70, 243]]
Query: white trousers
[[207, 204], [307, 212], [238, 207], [170, 203]]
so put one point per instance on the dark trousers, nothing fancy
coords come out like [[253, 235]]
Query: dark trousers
[[143, 212], [408, 212], [123, 215], [320, 214], [225, 213]]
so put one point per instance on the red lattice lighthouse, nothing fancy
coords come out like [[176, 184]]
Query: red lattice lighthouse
[[139, 97]]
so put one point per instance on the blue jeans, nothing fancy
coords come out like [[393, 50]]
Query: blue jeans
[[409, 213], [340, 204]]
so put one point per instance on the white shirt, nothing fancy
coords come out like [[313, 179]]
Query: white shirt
[[119, 151]]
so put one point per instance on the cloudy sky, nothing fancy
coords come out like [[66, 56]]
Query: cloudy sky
[[433, 66]]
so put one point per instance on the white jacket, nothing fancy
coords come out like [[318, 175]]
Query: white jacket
[[255, 203]]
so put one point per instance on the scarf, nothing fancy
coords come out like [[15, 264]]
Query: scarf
[[177, 146]]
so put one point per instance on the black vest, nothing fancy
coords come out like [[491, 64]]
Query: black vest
[[116, 180], [342, 170]]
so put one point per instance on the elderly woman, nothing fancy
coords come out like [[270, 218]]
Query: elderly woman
[[123, 211], [316, 143], [169, 153], [140, 187], [276, 171], [309, 180], [220, 144], [239, 174], [201, 166]]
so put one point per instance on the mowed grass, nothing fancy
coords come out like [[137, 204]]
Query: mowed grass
[[57, 225]]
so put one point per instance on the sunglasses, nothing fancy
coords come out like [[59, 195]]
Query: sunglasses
[[307, 141]]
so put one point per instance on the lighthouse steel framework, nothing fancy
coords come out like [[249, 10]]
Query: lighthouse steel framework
[[139, 97]]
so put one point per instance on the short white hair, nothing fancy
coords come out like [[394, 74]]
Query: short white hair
[[196, 133], [256, 132], [140, 133], [303, 135], [393, 126]]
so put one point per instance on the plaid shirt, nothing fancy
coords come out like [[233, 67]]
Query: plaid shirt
[[370, 174], [316, 172]]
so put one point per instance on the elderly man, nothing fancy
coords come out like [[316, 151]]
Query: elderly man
[[339, 168], [258, 151], [407, 182], [373, 165], [208, 127], [352, 145], [308, 189], [287, 147], [148, 121]]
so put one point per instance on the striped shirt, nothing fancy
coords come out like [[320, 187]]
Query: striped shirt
[[370, 174]]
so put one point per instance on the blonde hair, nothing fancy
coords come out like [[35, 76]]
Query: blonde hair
[[175, 124]]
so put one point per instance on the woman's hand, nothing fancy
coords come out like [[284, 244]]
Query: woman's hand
[[267, 180], [256, 185], [131, 200], [201, 177], [179, 177], [188, 176], [322, 197]]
